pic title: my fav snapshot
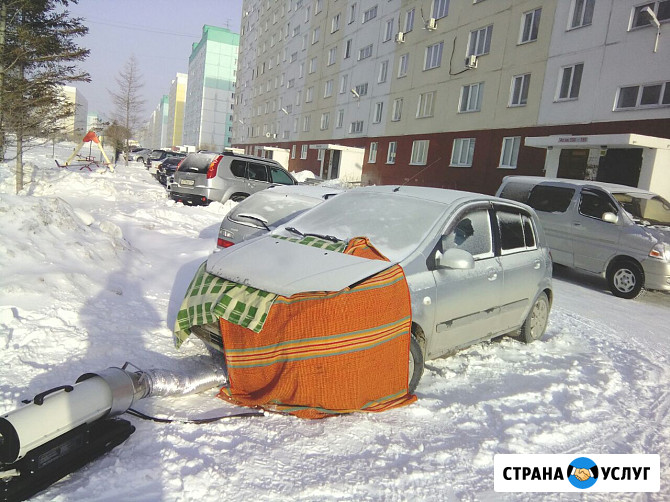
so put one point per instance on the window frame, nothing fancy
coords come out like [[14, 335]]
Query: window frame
[[474, 41], [571, 84], [426, 105], [433, 56], [512, 155], [372, 154], [392, 152], [523, 88], [534, 16], [397, 109], [470, 144], [466, 103], [581, 13], [419, 156]]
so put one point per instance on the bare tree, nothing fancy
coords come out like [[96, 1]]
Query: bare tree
[[127, 100]]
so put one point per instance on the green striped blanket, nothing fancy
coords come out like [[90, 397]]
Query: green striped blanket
[[210, 298]]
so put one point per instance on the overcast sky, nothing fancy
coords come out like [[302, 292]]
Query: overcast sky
[[159, 33]]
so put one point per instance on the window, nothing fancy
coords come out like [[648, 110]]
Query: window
[[390, 155], [480, 41], [347, 49], [301, 70], [370, 14], [365, 52], [472, 233], [306, 123], [294, 56], [257, 172], [462, 152], [510, 152], [419, 152], [383, 72], [661, 8], [409, 20], [279, 176], [332, 55], [320, 154], [325, 119], [571, 78], [335, 23], [356, 127], [352, 13], [328, 89], [440, 8], [402, 65], [516, 232], [379, 108], [372, 156], [316, 34], [309, 95], [312, 65], [343, 83], [594, 204], [530, 24], [471, 97], [340, 118], [293, 152], [519, 91], [318, 6], [643, 96], [362, 89], [303, 152], [582, 13], [433, 56], [388, 30], [550, 199], [308, 11], [426, 104], [397, 109]]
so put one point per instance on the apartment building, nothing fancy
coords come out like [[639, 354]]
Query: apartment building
[[176, 102], [457, 94], [210, 95], [75, 125]]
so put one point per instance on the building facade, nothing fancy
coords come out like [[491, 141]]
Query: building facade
[[456, 94], [177, 100], [75, 126], [210, 95]]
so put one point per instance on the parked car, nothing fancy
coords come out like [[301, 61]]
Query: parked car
[[139, 155], [619, 232], [166, 169], [204, 177], [266, 210], [158, 156], [477, 266]]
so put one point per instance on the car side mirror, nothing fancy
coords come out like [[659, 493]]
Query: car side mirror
[[610, 217], [457, 259]]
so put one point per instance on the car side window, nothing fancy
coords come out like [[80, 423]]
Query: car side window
[[257, 172], [594, 205], [471, 233], [516, 232], [280, 176], [238, 168], [550, 199]]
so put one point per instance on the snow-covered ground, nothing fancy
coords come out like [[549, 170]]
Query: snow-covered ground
[[93, 264]]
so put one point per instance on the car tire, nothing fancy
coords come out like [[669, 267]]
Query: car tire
[[536, 323], [139, 159], [625, 279], [238, 197], [416, 364]]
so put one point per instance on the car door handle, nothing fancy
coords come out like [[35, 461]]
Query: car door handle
[[493, 275], [537, 264], [576, 224]]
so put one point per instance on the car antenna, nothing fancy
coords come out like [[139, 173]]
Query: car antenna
[[397, 189]]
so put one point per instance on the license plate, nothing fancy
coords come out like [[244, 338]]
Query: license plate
[[187, 183]]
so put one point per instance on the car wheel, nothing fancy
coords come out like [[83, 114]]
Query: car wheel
[[536, 323], [625, 279], [416, 364], [139, 159], [238, 197]]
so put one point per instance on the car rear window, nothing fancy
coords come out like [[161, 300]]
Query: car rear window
[[238, 168], [280, 176], [516, 191], [198, 162], [258, 172], [550, 199], [272, 207]]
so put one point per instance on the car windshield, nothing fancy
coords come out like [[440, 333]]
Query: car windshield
[[645, 209], [272, 208], [395, 224]]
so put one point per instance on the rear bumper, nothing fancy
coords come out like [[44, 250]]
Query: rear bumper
[[190, 199]]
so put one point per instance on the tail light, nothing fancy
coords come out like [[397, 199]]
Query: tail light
[[211, 170], [223, 243], [180, 163]]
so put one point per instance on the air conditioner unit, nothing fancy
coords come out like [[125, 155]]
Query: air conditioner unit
[[400, 37], [431, 24], [471, 61], [267, 134]]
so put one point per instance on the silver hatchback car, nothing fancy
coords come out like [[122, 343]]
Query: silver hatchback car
[[477, 266], [205, 177]]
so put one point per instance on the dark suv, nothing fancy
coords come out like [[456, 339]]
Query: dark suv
[[204, 177]]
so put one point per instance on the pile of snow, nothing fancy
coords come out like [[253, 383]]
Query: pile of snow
[[94, 264]]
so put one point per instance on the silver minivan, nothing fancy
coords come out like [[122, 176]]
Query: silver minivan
[[477, 266], [206, 177], [619, 232]]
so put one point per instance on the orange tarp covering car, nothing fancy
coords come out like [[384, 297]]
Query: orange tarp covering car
[[324, 353]]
